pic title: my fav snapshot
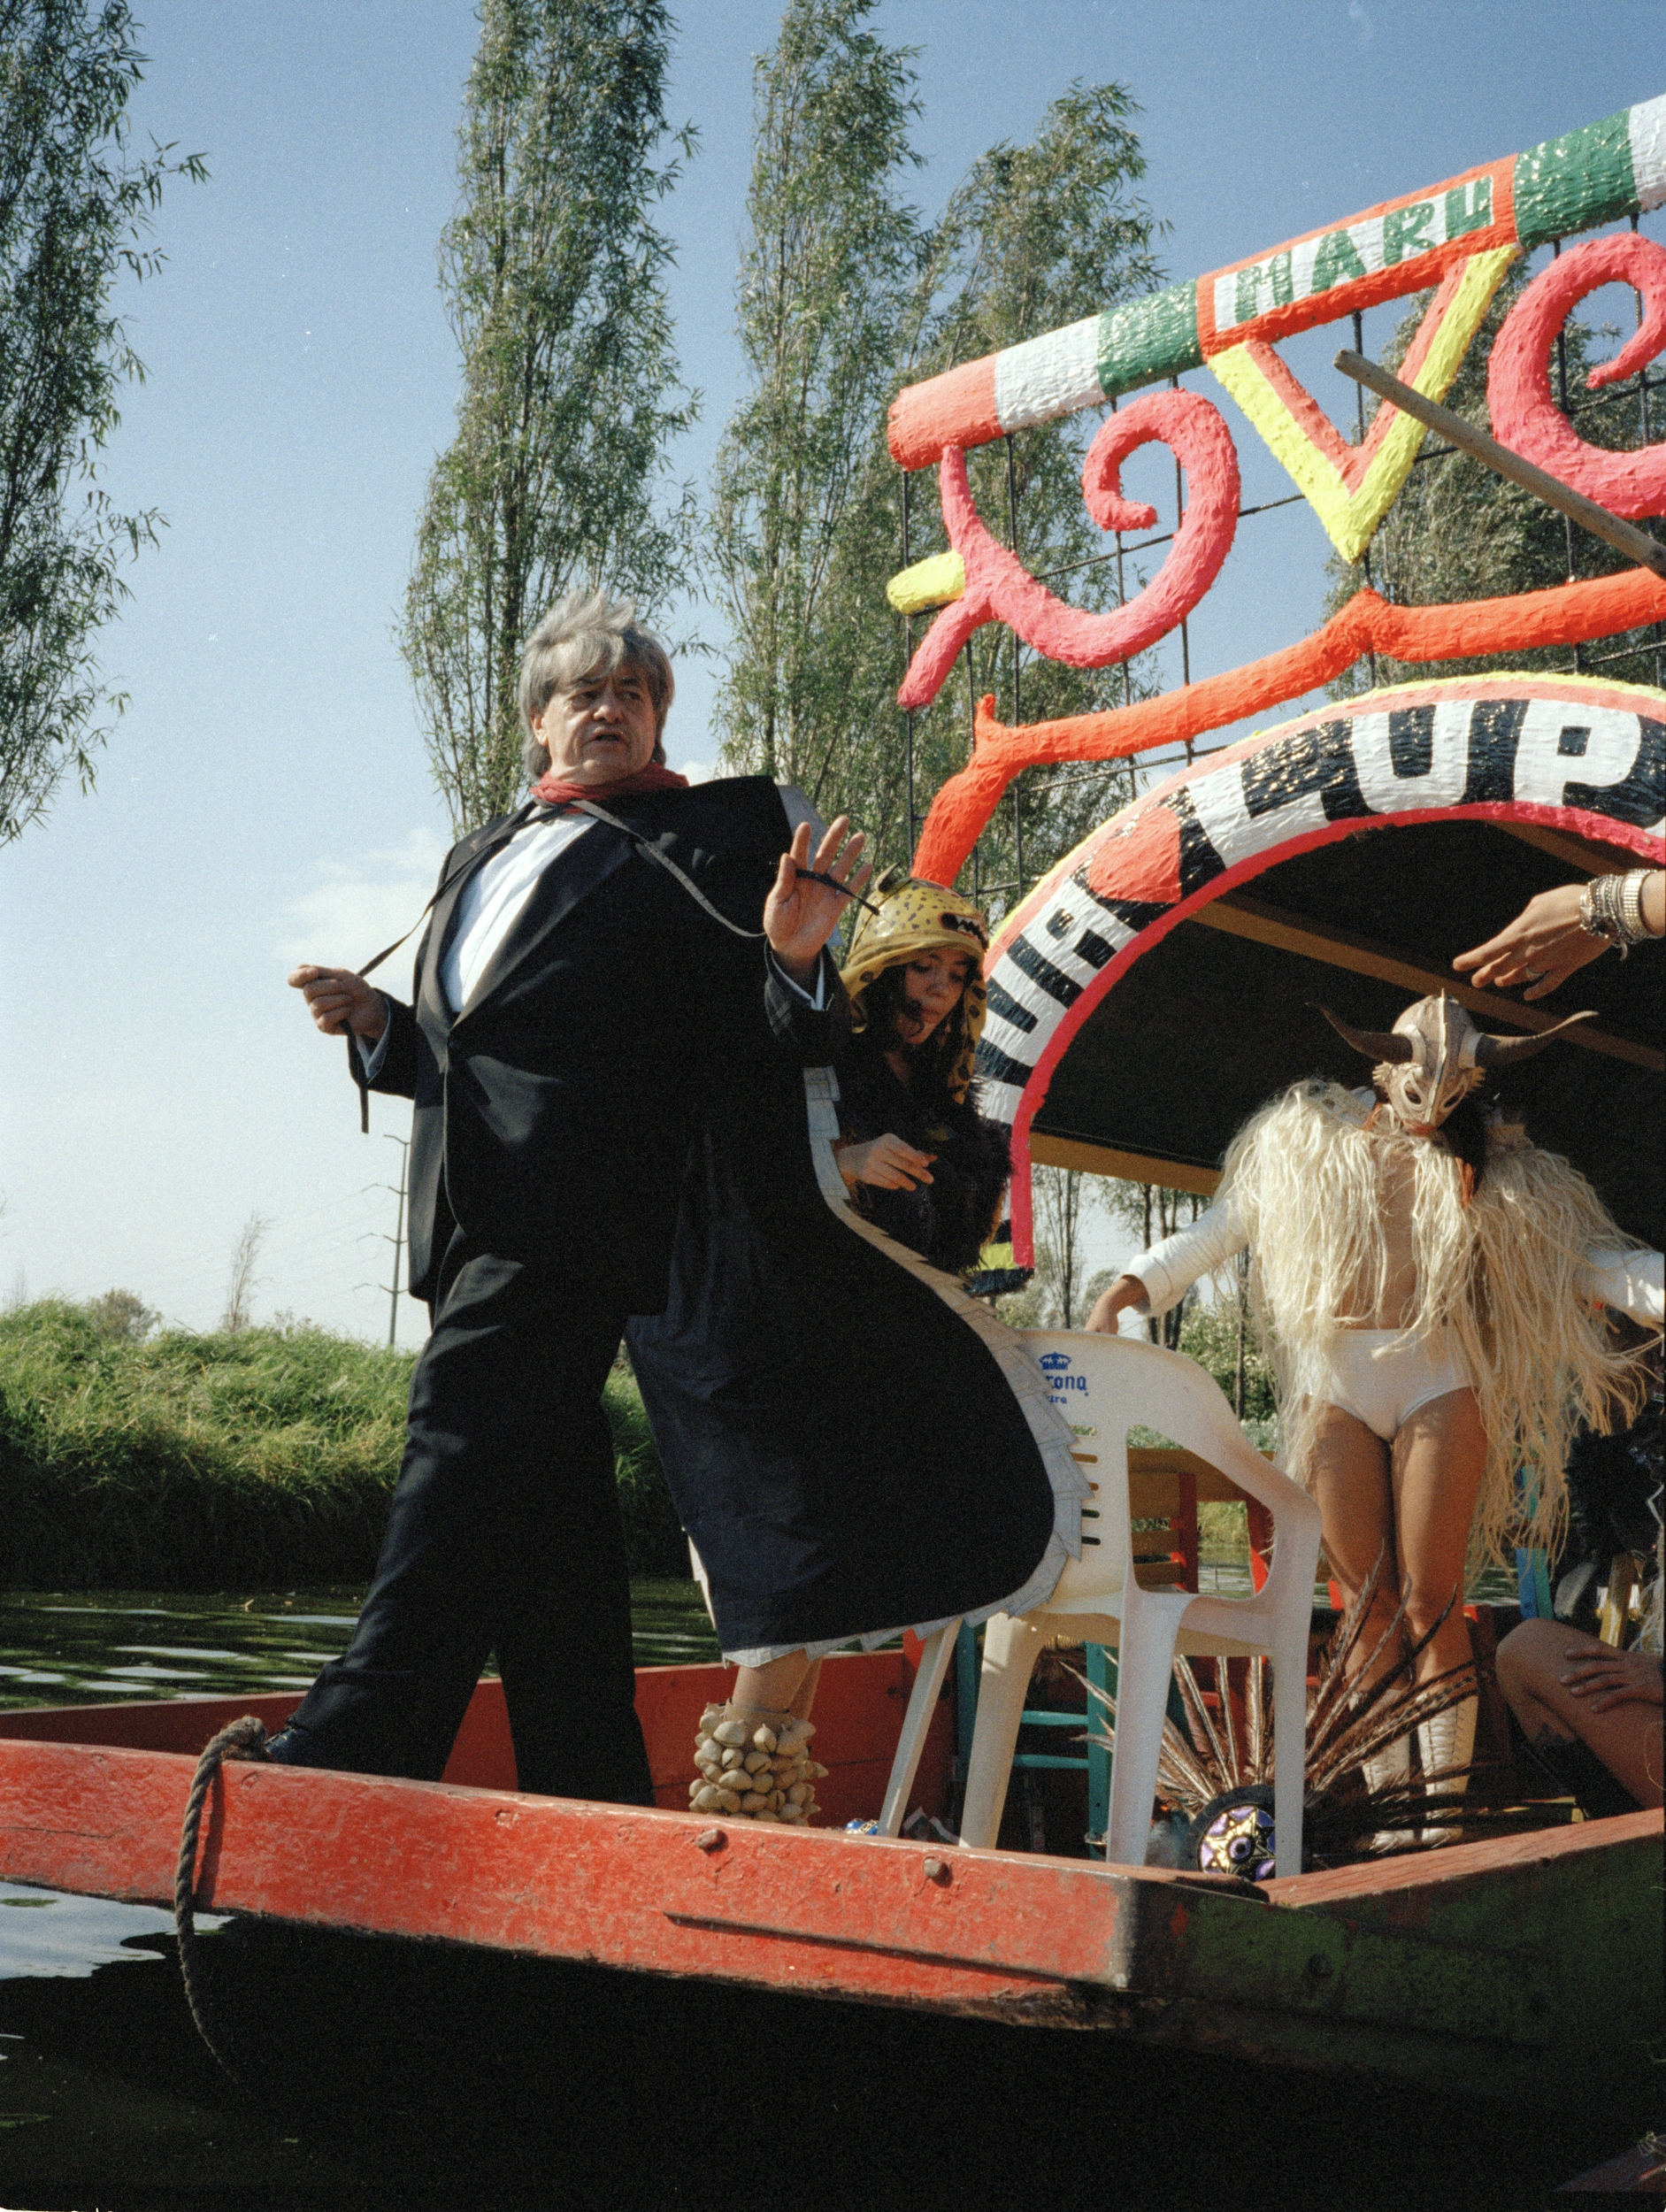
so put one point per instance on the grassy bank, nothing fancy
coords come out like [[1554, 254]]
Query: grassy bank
[[201, 1463]]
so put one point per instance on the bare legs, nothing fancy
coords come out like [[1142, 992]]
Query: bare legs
[[1440, 1458], [780, 1686], [1410, 1503], [1351, 1481], [1416, 1499], [1563, 1684]]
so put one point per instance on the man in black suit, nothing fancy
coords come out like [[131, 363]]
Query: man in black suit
[[576, 999]]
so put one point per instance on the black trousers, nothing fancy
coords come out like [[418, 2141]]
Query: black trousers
[[504, 1538]]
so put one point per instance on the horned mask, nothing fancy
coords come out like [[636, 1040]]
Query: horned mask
[[1434, 1056]]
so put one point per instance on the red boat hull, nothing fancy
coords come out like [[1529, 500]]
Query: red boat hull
[[1512, 1968]]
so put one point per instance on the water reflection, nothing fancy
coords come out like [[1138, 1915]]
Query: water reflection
[[48, 1931], [98, 1648]]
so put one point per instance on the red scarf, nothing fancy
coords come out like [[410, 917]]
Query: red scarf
[[554, 792]]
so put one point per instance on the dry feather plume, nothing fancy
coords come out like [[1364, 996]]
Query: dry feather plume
[[1309, 1177], [1355, 1712]]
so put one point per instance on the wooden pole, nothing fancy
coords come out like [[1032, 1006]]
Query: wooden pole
[[1637, 545]]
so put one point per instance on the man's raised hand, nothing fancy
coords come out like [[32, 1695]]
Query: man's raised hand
[[799, 915], [339, 1000]]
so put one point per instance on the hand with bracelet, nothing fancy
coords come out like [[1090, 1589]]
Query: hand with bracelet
[[1561, 930]]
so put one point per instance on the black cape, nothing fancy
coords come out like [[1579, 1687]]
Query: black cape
[[843, 1446]]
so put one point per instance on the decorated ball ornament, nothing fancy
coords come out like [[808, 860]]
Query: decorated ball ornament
[[1233, 1834], [912, 918]]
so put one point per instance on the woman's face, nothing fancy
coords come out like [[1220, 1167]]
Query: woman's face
[[933, 983]]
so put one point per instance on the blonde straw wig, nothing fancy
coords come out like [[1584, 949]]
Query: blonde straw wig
[[1505, 1270]]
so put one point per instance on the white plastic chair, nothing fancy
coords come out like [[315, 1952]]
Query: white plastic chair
[[1105, 1386]]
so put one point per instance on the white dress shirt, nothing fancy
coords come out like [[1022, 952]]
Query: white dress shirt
[[494, 898], [493, 901]]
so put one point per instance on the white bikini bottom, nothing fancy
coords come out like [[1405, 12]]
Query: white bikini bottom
[[1384, 1387]]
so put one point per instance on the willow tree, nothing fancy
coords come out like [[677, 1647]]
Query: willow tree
[[75, 210], [554, 275], [846, 294]]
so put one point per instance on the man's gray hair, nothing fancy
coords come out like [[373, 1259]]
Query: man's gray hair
[[589, 632]]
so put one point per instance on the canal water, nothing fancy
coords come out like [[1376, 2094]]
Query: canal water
[[96, 1647], [396, 2075]]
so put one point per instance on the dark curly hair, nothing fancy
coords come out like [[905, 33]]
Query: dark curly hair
[[934, 1061]]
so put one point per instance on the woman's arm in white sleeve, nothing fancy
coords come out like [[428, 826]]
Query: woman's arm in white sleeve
[[1634, 1281], [1170, 1269]]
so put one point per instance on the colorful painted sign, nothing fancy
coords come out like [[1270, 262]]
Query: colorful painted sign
[[1351, 488], [1568, 185], [1459, 236]]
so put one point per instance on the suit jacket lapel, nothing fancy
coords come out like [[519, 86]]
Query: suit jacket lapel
[[466, 861], [570, 878]]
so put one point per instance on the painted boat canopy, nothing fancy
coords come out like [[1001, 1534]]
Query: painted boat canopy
[[1162, 982]]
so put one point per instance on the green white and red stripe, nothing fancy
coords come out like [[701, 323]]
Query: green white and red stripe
[[1569, 184]]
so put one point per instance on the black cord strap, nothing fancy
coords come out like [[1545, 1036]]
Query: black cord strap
[[652, 852], [516, 822]]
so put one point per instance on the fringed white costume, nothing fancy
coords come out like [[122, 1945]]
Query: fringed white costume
[[1402, 1247], [1379, 1280]]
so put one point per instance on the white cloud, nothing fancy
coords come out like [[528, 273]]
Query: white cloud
[[698, 770], [355, 907]]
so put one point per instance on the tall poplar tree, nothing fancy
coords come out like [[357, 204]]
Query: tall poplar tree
[[1037, 236], [846, 294], [829, 277], [553, 271], [74, 209]]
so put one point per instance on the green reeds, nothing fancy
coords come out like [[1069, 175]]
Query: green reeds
[[213, 1462]]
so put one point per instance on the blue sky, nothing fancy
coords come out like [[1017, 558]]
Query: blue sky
[[265, 796]]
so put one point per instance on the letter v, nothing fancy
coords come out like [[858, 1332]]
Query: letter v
[[1351, 488]]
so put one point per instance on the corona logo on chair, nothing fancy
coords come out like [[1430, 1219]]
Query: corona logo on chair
[[1098, 1598]]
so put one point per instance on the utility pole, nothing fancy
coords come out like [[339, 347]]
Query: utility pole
[[397, 1239]]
